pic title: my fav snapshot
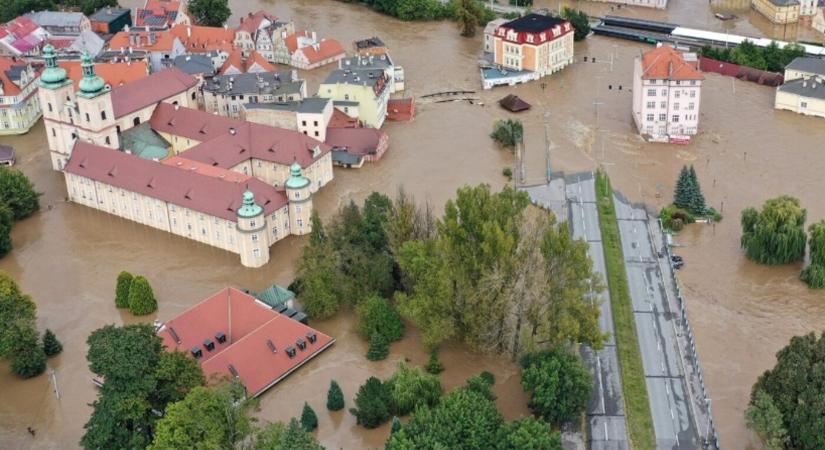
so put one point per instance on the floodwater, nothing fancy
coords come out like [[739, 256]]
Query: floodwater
[[68, 256]]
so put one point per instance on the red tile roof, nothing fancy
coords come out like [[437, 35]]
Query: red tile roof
[[157, 13], [243, 65], [340, 119], [323, 50], [357, 141], [220, 147], [198, 39], [150, 90], [251, 22], [291, 41], [114, 74], [666, 62], [164, 40], [247, 325], [187, 188], [9, 87], [206, 169]]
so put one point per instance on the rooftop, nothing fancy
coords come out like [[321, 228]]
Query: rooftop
[[785, 2], [275, 295], [109, 14], [198, 39], [275, 83], [533, 23], [10, 75], [194, 64], [144, 142], [322, 50], [157, 13], [252, 21], [665, 62], [811, 87], [150, 90], [186, 188], [48, 19], [255, 61], [366, 62], [227, 142], [806, 64], [156, 41], [114, 74], [369, 43], [356, 141], [309, 105], [256, 339], [364, 77]]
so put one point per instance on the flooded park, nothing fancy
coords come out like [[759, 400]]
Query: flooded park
[[67, 256]]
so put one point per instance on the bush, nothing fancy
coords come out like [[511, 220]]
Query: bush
[[508, 173], [434, 366], [378, 349], [372, 403], [124, 282], [377, 315], [396, 425], [335, 397], [675, 218], [51, 346], [308, 418], [141, 298], [483, 384], [28, 359], [410, 388], [507, 132], [559, 382]]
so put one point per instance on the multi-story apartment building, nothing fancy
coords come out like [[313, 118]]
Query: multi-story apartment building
[[667, 93], [368, 89], [161, 46], [19, 105], [394, 73], [659, 4], [310, 116], [92, 113], [226, 94], [778, 11], [529, 48], [804, 89]]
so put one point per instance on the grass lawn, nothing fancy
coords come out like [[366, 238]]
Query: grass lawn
[[637, 406]]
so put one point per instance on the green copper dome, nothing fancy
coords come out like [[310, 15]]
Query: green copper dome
[[91, 84], [296, 179], [249, 208], [53, 75]]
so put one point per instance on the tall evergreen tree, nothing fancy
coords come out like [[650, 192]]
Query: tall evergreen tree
[[308, 418], [335, 397], [124, 282], [682, 192], [378, 349], [141, 298], [697, 199], [396, 425], [51, 346]]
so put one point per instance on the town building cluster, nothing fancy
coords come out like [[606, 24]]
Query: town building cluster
[[204, 132], [803, 91]]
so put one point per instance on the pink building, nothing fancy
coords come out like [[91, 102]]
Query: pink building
[[667, 91]]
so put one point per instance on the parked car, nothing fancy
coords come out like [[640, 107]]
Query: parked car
[[678, 265], [676, 259]]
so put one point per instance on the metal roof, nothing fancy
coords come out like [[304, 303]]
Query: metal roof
[[806, 64], [254, 83], [311, 105], [811, 87]]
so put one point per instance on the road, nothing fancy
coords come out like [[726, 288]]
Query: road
[[656, 325], [605, 410]]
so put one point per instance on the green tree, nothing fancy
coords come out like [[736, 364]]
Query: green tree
[[396, 425], [764, 418], [697, 200], [796, 387], [434, 366], [379, 348], [580, 22], [814, 274], [205, 419], [210, 13], [462, 420], [6, 223], [28, 359], [124, 283], [276, 436], [410, 388], [508, 132], [372, 403], [17, 313], [317, 270], [775, 235], [483, 385], [141, 298], [51, 346], [377, 315], [18, 193], [308, 418], [684, 189], [126, 357], [335, 397], [468, 15], [317, 235], [176, 375], [530, 433], [560, 384]]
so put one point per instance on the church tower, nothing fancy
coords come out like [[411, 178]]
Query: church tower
[[300, 200], [253, 241], [95, 118], [55, 94]]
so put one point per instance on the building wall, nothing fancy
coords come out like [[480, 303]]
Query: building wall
[[232, 105], [791, 74], [272, 117], [665, 108], [181, 221], [818, 22], [801, 105], [276, 174], [372, 110], [807, 8], [18, 113], [777, 14], [546, 58], [300, 60], [314, 125]]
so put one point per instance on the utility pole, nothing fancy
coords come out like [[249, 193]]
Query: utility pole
[[54, 382], [547, 144]]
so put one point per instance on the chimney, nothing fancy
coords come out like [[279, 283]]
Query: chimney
[[314, 37], [189, 31]]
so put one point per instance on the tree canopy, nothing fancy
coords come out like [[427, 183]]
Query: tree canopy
[[775, 235], [51, 346], [794, 388], [814, 274], [377, 315], [688, 193], [309, 420], [18, 193], [559, 383], [770, 58], [580, 22], [210, 13], [17, 312], [372, 403], [277, 436], [124, 283], [6, 224], [335, 397], [410, 388], [508, 132], [141, 297]]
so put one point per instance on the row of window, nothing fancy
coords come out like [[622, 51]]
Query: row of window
[[676, 106], [674, 118], [677, 94]]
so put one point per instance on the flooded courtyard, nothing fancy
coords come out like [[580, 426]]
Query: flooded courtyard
[[67, 256]]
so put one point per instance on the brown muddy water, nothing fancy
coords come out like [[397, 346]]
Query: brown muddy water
[[67, 256]]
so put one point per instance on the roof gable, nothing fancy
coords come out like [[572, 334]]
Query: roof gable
[[150, 90], [665, 62]]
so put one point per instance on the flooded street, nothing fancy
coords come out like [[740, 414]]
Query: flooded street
[[68, 256]]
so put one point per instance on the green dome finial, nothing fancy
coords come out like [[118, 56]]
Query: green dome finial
[[91, 84], [296, 179], [249, 208], [53, 75]]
